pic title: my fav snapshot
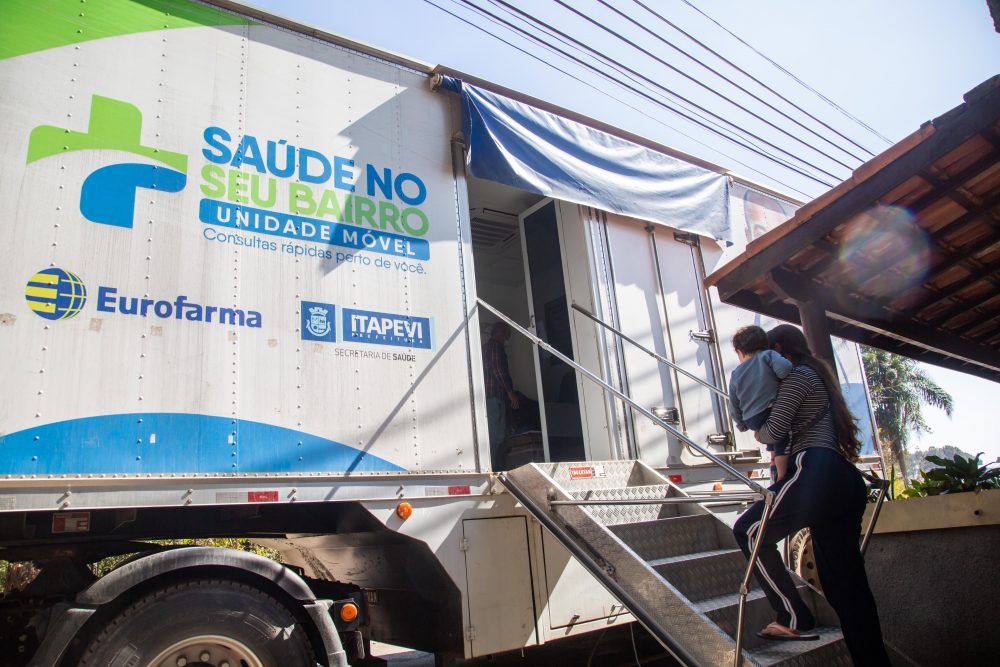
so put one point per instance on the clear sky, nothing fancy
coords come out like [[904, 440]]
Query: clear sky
[[892, 63]]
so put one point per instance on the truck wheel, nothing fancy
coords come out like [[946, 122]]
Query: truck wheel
[[802, 559], [202, 623]]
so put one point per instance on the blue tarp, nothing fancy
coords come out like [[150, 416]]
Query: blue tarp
[[524, 147]]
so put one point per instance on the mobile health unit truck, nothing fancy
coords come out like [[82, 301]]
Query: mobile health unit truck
[[248, 271]]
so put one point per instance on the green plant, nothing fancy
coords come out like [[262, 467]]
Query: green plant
[[899, 389], [957, 475], [105, 565]]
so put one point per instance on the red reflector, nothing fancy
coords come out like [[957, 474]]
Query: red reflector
[[71, 522], [581, 472], [462, 490], [262, 496], [676, 479]]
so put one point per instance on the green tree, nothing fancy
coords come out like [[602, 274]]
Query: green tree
[[899, 390]]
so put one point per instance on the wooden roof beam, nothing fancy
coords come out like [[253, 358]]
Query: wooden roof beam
[[944, 187], [949, 134]]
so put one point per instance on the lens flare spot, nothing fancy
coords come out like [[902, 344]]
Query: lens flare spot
[[884, 253]]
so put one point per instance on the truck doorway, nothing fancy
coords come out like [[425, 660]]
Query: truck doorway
[[518, 261]]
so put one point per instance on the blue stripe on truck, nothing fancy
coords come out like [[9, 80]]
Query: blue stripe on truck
[[150, 443]]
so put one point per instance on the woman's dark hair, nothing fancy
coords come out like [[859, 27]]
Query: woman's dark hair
[[791, 343]]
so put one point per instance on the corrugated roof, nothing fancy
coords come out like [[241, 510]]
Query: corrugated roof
[[905, 254]]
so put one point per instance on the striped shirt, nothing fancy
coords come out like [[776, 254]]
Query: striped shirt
[[801, 398]]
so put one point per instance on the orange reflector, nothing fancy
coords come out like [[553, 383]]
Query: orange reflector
[[348, 612], [717, 486], [404, 510]]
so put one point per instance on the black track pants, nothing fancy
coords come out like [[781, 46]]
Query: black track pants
[[825, 493]]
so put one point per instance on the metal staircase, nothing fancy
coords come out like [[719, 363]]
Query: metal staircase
[[670, 561]]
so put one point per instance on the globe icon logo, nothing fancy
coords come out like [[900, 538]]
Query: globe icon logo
[[55, 294]]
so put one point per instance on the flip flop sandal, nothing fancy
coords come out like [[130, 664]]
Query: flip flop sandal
[[779, 633]]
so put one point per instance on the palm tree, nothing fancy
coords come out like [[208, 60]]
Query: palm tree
[[899, 389]]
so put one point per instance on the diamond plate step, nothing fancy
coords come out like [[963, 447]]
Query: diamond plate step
[[677, 536], [758, 614], [585, 475], [615, 514], [710, 605], [724, 612], [827, 651], [705, 575], [637, 550]]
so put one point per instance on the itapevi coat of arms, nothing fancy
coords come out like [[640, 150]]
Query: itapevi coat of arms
[[319, 321]]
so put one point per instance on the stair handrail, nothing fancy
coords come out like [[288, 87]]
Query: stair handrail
[[538, 342], [883, 486], [875, 482], [760, 492], [641, 347], [767, 495]]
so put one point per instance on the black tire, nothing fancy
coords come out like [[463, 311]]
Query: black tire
[[233, 622], [802, 559]]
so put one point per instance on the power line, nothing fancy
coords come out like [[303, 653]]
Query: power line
[[604, 60], [737, 85], [604, 74], [657, 85], [511, 45], [706, 87], [640, 111], [795, 78]]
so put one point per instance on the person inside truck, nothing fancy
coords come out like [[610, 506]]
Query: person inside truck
[[499, 386], [822, 491]]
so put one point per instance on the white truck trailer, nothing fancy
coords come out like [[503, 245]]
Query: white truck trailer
[[240, 297]]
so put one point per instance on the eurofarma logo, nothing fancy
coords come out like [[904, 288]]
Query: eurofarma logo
[[57, 294], [107, 196]]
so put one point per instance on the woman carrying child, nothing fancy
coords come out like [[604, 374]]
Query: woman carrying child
[[822, 491]]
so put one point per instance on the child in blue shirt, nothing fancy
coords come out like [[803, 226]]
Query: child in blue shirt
[[753, 387]]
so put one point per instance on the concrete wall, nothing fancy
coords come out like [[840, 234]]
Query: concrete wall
[[938, 590]]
